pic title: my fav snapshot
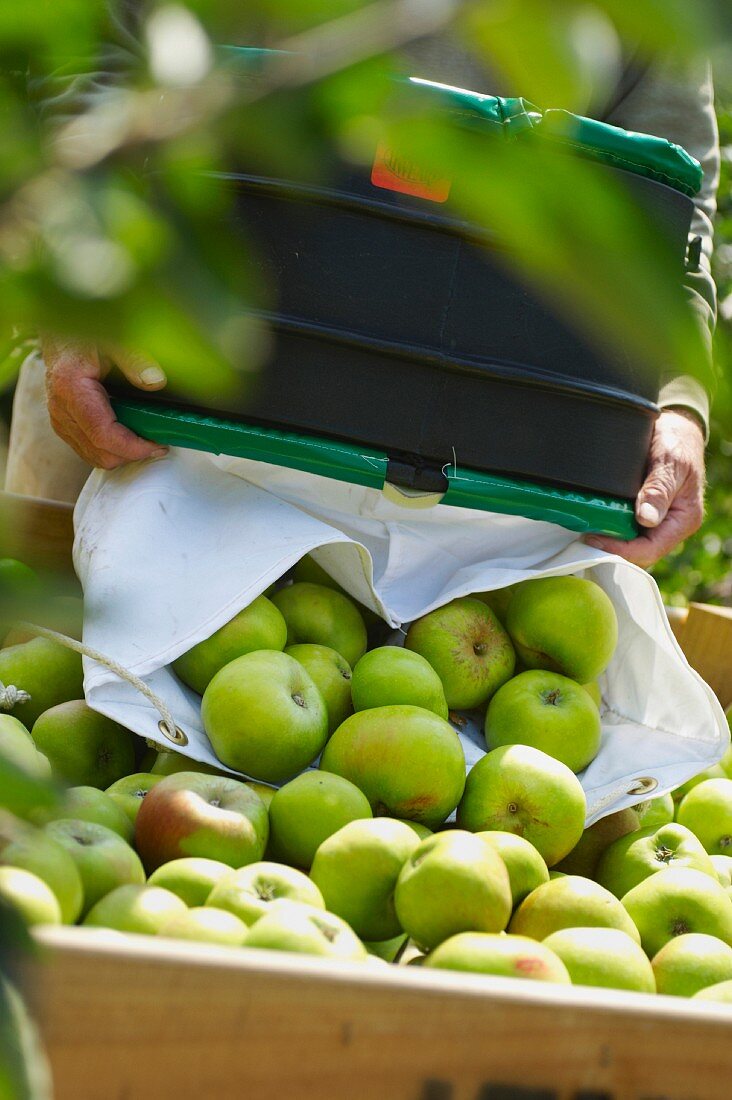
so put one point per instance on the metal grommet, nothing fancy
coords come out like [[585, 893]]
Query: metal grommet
[[643, 785], [178, 739]]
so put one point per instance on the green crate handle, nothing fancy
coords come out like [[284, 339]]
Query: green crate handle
[[583, 512]]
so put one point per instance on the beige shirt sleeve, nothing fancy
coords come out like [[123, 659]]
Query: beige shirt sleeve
[[677, 102]]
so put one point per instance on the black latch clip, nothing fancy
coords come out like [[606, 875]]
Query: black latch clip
[[415, 475]]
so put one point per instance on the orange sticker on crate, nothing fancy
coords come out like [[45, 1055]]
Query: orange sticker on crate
[[395, 173]]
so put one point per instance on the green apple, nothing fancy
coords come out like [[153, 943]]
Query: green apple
[[498, 600], [421, 830], [526, 867], [249, 892], [585, 856], [519, 789], [315, 613], [30, 896], [206, 925], [407, 761], [548, 712], [655, 812], [390, 950], [723, 867], [391, 676], [104, 861], [264, 716], [265, 792], [570, 902], [677, 902], [91, 804], [453, 882], [721, 993], [17, 746], [18, 584], [707, 811], [356, 871], [169, 763], [133, 908], [84, 748], [307, 569], [190, 814], [692, 962], [632, 858], [305, 930], [715, 772], [129, 792], [33, 850], [309, 809], [468, 649], [563, 624], [191, 879], [503, 956], [604, 957], [48, 671], [331, 675], [593, 690], [258, 626], [62, 613]]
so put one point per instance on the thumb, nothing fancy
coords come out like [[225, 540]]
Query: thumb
[[141, 370], [656, 495]]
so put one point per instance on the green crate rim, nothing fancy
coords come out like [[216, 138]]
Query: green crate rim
[[587, 513]]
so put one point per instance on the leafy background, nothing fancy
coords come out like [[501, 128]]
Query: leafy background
[[117, 233]]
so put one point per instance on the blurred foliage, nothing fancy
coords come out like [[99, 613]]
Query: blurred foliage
[[700, 570], [114, 222]]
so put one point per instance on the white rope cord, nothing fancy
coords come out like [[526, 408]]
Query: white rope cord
[[167, 724], [10, 696]]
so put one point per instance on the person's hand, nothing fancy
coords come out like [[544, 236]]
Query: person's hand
[[670, 504], [79, 407]]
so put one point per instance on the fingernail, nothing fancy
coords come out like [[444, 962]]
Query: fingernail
[[650, 514], [152, 376], [159, 453]]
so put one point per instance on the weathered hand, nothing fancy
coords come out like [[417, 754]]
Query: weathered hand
[[670, 504], [79, 407]]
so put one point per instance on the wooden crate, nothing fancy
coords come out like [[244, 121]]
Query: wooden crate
[[141, 1018], [38, 532], [147, 1019], [704, 633]]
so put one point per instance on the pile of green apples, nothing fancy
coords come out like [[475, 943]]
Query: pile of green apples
[[384, 852]]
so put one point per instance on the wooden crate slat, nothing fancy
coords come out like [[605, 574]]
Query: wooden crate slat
[[144, 1017], [706, 639]]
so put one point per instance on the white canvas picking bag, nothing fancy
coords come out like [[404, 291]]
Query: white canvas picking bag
[[169, 551]]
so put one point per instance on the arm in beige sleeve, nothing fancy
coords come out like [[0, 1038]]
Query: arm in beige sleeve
[[676, 102]]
